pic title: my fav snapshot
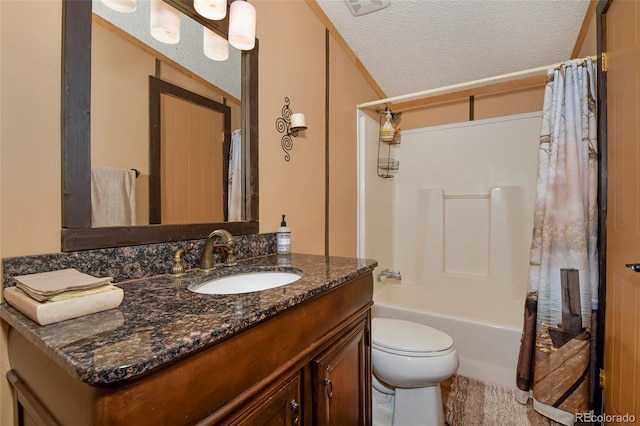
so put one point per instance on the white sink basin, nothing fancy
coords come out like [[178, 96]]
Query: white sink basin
[[246, 283]]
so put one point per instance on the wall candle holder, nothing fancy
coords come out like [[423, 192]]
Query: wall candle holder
[[289, 124]]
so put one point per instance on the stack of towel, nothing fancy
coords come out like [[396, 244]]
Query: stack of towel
[[55, 296]]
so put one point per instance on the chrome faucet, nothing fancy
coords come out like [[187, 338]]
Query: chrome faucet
[[386, 273], [207, 262]]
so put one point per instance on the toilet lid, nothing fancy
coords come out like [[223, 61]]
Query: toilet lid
[[406, 336]]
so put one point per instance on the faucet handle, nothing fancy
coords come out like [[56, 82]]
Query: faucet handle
[[178, 267], [230, 259]]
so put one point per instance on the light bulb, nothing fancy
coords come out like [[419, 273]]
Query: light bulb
[[215, 46], [242, 25], [165, 22], [126, 6], [211, 9]]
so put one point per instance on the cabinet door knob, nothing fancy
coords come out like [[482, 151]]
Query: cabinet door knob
[[294, 410]]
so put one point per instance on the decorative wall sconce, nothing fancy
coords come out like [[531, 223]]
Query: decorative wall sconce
[[289, 124]]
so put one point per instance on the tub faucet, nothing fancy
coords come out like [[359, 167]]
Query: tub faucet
[[386, 273], [207, 262]]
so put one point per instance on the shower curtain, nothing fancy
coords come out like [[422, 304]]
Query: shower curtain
[[554, 361], [235, 179]]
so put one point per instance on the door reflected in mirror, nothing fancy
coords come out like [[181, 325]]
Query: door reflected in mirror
[[190, 154]]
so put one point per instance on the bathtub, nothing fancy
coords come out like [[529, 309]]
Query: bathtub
[[488, 347]]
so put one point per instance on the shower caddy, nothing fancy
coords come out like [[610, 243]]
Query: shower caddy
[[386, 139]]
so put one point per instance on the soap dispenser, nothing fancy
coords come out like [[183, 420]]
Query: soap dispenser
[[283, 238]]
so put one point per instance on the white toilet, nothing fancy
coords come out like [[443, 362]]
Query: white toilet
[[410, 360]]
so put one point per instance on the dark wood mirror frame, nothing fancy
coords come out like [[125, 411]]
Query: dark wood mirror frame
[[77, 233]]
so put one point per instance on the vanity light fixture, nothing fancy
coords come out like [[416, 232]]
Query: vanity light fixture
[[125, 6], [289, 124], [211, 9], [164, 22], [242, 25], [214, 46]]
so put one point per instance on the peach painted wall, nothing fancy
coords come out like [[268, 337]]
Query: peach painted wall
[[29, 141], [435, 114], [520, 101], [292, 65], [517, 101], [347, 88], [30, 134], [589, 45]]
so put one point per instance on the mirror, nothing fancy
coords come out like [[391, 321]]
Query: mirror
[[182, 169], [77, 233]]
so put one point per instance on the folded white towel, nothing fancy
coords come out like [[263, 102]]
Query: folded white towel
[[46, 285], [113, 197]]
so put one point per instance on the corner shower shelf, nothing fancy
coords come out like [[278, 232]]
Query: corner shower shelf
[[387, 164]]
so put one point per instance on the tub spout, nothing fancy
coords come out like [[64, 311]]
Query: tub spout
[[386, 273]]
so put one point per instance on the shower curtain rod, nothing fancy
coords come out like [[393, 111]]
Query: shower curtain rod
[[469, 84]]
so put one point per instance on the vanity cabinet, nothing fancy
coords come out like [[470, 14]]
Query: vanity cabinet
[[338, 396], [341, 380], [309, 364]]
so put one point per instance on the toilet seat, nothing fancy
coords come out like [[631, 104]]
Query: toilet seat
[[407, 338]]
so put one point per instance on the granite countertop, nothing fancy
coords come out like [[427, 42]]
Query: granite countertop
[[160, 320]]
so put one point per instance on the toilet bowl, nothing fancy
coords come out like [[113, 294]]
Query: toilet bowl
[[410, 360]]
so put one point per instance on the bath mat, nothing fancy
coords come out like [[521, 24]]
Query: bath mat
[[471, 402]]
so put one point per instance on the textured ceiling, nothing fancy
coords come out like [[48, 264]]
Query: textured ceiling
[[416, 45]]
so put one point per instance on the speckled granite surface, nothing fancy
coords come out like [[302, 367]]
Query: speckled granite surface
[[126, 263], [160, 320]]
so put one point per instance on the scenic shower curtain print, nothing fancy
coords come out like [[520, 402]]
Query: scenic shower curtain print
[[554, 362]]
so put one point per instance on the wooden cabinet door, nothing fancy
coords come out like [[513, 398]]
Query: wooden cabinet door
[[279, 407], [342, 380]]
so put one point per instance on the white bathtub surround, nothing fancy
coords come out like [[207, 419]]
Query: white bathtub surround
[[463, 210], [457, 218]]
